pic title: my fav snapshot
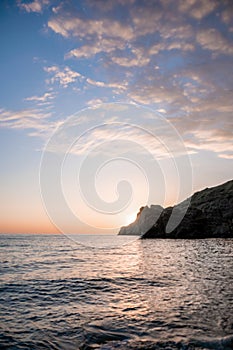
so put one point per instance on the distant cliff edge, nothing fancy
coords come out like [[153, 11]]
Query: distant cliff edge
[[146, 218], [209, 215]]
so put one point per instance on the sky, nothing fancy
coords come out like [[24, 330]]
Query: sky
[[106, 106]]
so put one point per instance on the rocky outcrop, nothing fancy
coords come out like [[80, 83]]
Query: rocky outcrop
[[191, 226], [209, 215], [146, 217]]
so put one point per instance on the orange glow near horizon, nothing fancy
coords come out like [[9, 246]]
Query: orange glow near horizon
[[36, 221], [19, 227]]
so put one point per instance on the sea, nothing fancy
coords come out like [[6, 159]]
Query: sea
[[115, 292]]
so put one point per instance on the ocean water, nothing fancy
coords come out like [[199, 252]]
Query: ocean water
[[151, 294]]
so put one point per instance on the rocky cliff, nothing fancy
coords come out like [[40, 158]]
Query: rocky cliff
[[146, 218], [207, 214]]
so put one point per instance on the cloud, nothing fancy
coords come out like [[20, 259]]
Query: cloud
[[146, 19], [198, 101], [64, 77], [210, 140], [175, 45], [139, 59], [227, 16], [33, 6], [116, 86], [226, 155], [111, 36], [119, 41], [129, 139], [130, 62], [35, 121], [173, 56], [95, 102], [108, 35], [156, 93], [211, 39], [206, 128], [24, 119], [44, 99], [106, 45], [84, 28], [197, 9]]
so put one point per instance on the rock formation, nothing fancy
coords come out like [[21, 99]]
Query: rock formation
[[146, 217], [207, 214]]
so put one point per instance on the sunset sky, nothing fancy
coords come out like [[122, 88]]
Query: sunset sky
[[163, 71]]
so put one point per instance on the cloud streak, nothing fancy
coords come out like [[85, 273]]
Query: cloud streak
[[211, 39], [43, 100], [36, 121], [64, 77], [33, 6], [173, 57]]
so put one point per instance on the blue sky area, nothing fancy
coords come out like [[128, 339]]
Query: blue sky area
[[172, 58]]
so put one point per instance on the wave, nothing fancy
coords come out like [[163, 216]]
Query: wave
[[224, 343], [106, 343]]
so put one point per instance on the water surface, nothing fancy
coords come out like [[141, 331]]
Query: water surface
[[149, 294]]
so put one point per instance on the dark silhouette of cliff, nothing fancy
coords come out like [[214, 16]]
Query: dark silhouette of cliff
[[209, 215], [206, 214]]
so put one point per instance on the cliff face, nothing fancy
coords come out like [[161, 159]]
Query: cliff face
[[210, 214], [146, 218]]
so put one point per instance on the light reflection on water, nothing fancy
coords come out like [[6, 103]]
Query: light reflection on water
[[71, 296]]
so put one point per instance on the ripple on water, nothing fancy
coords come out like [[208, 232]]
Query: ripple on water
[[159, 294]]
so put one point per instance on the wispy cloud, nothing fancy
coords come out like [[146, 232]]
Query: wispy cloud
[[197, 8], [122, 43], [174, 57], [43, 100], [94, 47], [210, 140], [226, 155], [227, 17], [211, 39], [33, 6], [95, 102], [64, 77], [139, 59], [116, 86], [114, 139], [78, 27], [35, 121], [207, 131]]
